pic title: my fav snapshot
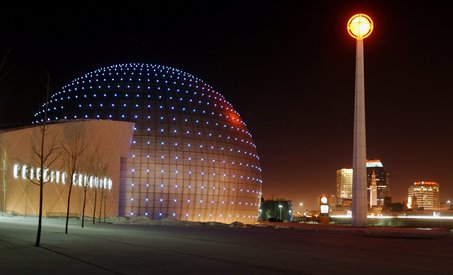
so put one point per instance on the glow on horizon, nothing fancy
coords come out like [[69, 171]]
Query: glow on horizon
[[399, 217]]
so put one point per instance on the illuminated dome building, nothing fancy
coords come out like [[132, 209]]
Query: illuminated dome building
[[192, 157]]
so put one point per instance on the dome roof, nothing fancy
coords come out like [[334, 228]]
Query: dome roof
[[192, 156]]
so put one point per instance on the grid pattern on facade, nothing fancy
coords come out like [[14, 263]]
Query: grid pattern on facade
[[344, 183]]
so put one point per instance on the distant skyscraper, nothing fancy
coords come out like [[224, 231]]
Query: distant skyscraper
[[382, 180], [375, 173], [344, 183], [427, 194], [373, 190]]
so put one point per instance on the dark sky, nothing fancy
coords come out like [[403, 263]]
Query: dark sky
[[287, 67]]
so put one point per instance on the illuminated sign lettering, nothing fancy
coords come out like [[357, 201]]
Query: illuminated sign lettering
[[55, 176]]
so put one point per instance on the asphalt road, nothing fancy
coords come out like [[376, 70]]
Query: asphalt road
[[157, 249]]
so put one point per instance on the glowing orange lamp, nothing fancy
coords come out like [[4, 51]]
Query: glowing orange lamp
[[360, 26]]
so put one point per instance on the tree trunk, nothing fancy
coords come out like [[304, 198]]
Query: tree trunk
[[4, 179], [41, 186], [67, 211], [38, 236], [105, 207], [100, 207], [26, 200], [84, 202], [94, 209]]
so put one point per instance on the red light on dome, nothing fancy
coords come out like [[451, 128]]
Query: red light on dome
[[233, 118]]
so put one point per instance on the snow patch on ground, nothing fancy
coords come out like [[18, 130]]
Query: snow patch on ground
[[168, 221]]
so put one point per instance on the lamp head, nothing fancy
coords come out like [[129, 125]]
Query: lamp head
[[360, 26]]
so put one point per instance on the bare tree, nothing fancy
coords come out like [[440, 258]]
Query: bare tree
[[93, 164], [94, 204], [3, 171], [44, 155], [2, 65], [101, 204], [104, 172], [103, 169], [105, 205], [3, 154], [85, 187], [73, 161]]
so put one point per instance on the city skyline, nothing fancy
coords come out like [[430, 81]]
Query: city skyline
[[287, 68]]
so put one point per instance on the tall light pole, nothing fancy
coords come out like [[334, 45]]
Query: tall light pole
[[359, 27], [280, 207]]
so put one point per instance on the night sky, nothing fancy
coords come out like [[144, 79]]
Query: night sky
[[287, 68]]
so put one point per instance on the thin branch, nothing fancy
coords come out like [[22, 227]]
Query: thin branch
[[4, 74], [4, 59]]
